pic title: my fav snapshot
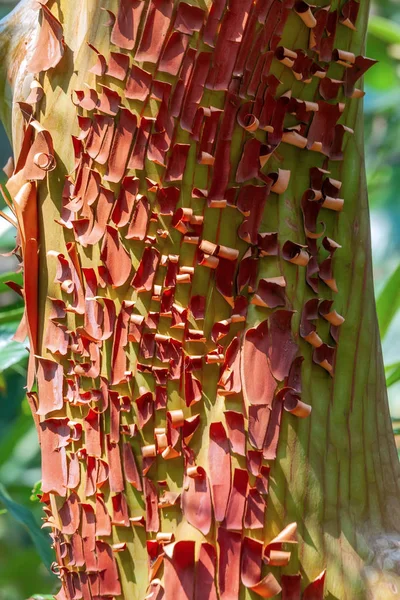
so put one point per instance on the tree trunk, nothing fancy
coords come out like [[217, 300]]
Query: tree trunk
[[197, 276]]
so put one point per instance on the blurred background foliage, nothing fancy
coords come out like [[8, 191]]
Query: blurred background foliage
[[25, 556]]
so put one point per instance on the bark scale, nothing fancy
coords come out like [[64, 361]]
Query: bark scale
[[188, 255]]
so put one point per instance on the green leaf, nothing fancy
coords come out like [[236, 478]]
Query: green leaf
[[386, 30], [25, 517], [7, 233], [393, 374], [388, 302], [15, 277], [36, 491]]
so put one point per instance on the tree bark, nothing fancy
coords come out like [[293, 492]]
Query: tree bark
[[207, 338]]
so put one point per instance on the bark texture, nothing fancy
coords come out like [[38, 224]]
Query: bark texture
[[205, 370]]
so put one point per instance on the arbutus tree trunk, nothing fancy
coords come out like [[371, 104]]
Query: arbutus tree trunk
[[205, 367]]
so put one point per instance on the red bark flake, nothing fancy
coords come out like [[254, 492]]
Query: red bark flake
[[219, 461], [123, 207], [168, 198], [224, 279], [291, 587], [324, 356], [121, 146], [54, 435], [259, 417], [70, 514], [189, 428], [100, 67], [237, 500], [272, 436], [308, 329], [49, 46], [103, 519], [109, 101], [222, 164], [270, 292], [90, 231], [188, 18], [73, 471], [195, 90], [144, 276], [114, 461], [179, 567], [321, 132], [251, 570], [193, 389], [130, 469], [151, 499], [251, 202], [115, 257], [352, 75], [118, 65], [50, 385], [230, 546], [177, 162], [138, 84], [282, 348], [107, 566], [124, 32], [273, 552], [257, 380], [120, 511], [173, 53], [249, 164], [205, 573], [196, 501], [115, 416], [236, 431], [310, 207], [349, 14], [315, 590], [139, 220], [155, 30], [228, 44], [230, 380], [255, 510], [100, 137], [145, 408], [120, 341], [93, 433]]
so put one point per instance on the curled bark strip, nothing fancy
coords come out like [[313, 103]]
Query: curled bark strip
[[295, 253], [266, 587]]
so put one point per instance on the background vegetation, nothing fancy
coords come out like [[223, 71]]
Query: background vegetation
[[25, 556]]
